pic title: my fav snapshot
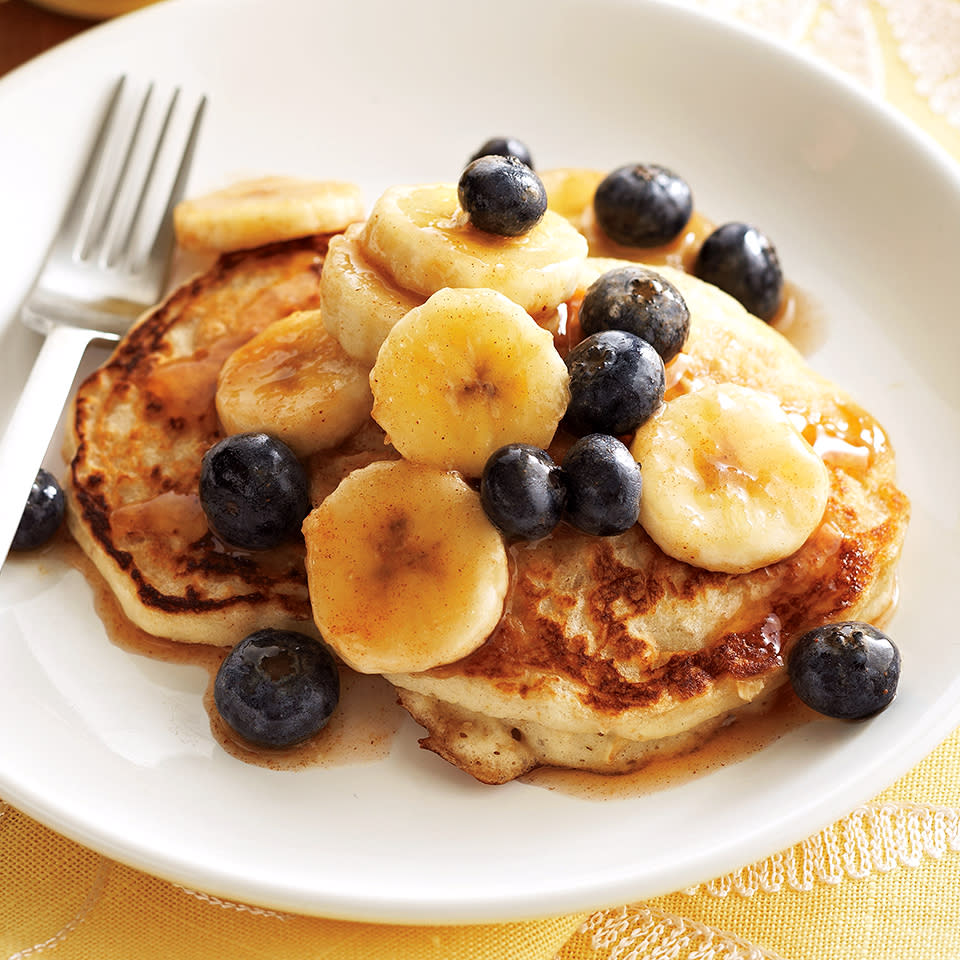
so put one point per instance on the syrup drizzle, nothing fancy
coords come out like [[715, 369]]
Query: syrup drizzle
[[363, 727], [360, 730], [755, 727]]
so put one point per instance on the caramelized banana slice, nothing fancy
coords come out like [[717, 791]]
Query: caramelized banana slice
[[570, 191], [294, 381], [360, 305], [425, 242], [405, 570], [464, 374], [255, 212], [729, 483]]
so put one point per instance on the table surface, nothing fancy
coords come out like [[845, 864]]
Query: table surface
[[26, 30]]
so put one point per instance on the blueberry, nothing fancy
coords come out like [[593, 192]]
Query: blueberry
[[742, 261], [616, 383], [505, 147], [522, 491], [640, 301], [277, 688], [42, 515], [603, 485], [845, 670], [642, 205], [502, 195], [253, 491]]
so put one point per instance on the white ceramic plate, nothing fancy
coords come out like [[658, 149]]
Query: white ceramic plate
[[114, 749]]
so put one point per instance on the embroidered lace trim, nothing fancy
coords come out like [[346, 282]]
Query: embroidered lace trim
[[104, 867], [231, 905], [641, 933], [874, 838], [925, 36]]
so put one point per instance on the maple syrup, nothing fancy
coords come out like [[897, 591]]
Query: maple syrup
[[756, 727], [361, 729]]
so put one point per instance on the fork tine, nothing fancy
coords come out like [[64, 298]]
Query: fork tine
[[120, 246], [79, 202], [98, 214], [155, 260]]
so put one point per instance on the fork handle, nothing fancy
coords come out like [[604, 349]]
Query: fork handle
[[35, 419]]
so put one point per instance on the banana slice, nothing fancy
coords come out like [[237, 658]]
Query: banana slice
[[729, 483], [294, 381], [464, 374], [405, 570], [570, 191], [359, 304], [255, 212], [423, 239]]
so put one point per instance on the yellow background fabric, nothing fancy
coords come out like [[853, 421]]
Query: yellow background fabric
[[61, 900]]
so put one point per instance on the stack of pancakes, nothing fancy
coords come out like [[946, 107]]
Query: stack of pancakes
[[608, 651]]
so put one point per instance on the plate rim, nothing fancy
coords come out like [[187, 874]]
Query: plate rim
[[817, 816]]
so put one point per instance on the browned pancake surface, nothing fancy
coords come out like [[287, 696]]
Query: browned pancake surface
[[141, 425], [607, 650], [610, 638]]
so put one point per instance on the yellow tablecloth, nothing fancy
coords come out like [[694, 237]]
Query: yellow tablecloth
[[881, 884]]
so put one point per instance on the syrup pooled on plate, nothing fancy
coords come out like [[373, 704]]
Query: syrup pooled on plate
[[759, 726], [457, 322], [361, 730]]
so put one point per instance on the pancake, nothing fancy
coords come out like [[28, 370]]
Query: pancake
[[140, 427], [610, 652]]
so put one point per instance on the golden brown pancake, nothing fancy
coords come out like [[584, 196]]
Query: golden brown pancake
[[610, 652], [141, 425]]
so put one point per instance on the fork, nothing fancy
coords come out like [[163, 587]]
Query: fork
[[96, 279]]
